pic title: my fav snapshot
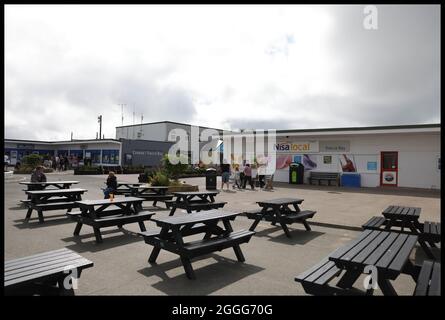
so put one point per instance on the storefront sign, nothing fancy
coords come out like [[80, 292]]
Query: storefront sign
[[25, 146], [297, 146], [371, 166], [147, 153], [334, 146]]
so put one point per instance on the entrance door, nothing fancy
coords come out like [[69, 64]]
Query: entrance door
[[389, 168]]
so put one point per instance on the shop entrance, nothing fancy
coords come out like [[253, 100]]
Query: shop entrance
[[389, 168]]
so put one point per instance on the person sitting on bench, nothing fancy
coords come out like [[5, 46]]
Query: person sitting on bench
[[111, 185], [38, 176]]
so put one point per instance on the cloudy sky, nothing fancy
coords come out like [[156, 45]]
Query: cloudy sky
[[228, 67]]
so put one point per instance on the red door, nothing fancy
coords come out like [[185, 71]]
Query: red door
[[389, 168]]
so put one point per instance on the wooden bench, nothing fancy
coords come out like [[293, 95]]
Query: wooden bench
[[109, 220], [428, 282], [46, 207], [324, 176], [431, 232], [300, 216], [205, 246], [316, 280], [44, 273], [155, 197], [375, 223]]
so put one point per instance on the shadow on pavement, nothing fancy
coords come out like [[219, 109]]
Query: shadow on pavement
[[87, 242], [209, 278], [299, 236]]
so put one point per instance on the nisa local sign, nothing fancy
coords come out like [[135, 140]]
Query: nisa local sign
[[300, 146]]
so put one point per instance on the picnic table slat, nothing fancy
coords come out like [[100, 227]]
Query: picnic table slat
[[84, 263], [364, 254], [203, 216], [42, 265], [45, 254], [424, 278], [375, 256], [435, 281], [403, 255], [37, 260], [350, 254], [340, 251], [390, 254]]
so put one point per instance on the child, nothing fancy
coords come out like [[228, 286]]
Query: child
[[111, 185]]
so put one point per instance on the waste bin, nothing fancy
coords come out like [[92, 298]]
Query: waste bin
[[350, 180], [296, 173], [211, 179]]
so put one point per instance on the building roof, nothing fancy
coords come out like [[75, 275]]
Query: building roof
[[411, 126], [171, 122], [74, 141]]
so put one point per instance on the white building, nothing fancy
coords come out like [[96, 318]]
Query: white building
[[404, 156]]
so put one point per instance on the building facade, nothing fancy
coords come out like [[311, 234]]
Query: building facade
[[404, 156], [100, 152]]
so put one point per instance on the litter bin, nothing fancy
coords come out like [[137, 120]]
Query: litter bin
[[211, 179], [350, 180], [296, 173]]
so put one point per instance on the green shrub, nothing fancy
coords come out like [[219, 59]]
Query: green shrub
[[174, 170], [32, 160], [159, 179]]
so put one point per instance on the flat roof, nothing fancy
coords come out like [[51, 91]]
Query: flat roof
[[395, 127], [76, 141], [172, 122]]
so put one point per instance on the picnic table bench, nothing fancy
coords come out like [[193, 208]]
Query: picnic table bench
[[51, 199], [216, 238], [107, 213], [278, 211], [123, 188], [324, 176], [194, 201], [406, 220], [150, 193], [44, 185], [388, 252], [428, 282], [44, 273]]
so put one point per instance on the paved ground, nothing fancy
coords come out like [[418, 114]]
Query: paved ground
[[272, 260]]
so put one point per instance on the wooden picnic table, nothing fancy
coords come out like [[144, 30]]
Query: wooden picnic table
[[403, 217], [124, 187], [44, 273], [150, 193], [44, 185], [278, 211], [388, 252], [52, 199], [109, 212], [195, 200], [216, 238]]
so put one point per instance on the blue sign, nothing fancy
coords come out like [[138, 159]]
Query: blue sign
[[372, 166], [297, 159]]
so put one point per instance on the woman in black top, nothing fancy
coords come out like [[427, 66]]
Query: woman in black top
[[111, 185]]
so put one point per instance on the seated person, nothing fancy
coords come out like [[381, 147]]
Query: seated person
[[111, 185], [38, 176]]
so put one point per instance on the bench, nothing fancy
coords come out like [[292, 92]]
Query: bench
[[40, 207], [316, 280], [44, 273], [375, 223], [299, 217], [196, 206], [219, 243], [428, 282], [431, 232], [252, 214], [324, 176], [154, 197], [108, 221]]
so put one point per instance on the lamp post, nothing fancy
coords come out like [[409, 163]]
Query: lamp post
[[99, 119]]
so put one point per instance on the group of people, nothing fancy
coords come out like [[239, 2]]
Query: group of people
[[59, 163], [243, 177]]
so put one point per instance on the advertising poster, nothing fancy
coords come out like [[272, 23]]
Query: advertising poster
[[283, 161], [309, 162], [347, 163]]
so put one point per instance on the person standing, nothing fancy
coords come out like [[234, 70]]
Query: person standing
[[248, 176], [237, 177], [111, 185], [225, 175]]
